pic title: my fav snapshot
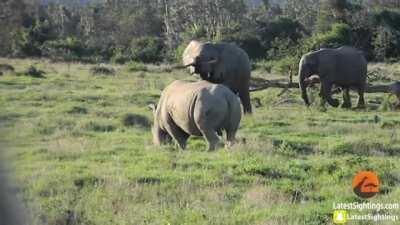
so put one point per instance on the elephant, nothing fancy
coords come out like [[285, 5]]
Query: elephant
[[221, 63], [195, 108], [343, 67]]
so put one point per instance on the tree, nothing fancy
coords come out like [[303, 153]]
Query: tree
[[12, 14]]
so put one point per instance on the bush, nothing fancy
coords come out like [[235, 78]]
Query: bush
[[34, 72], [136, 67], [339, 35], [147, 49], [29, 41], [67, 49], [288, 64], [6, 68], [78, 110], [100, 127], [135, 120], [179, 52], [279, 33], [102, 70], [120, 57]]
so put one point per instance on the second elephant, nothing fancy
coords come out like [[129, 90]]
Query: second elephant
[[221, 63], [344, 67]]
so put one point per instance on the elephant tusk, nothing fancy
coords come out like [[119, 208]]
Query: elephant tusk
[[212, 61], [190, 64]]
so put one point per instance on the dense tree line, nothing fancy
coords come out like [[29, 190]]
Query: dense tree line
[[158, 30]]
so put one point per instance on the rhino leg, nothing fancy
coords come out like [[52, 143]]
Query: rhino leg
[[177, 133]]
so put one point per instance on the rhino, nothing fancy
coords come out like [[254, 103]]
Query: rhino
[[196, 108]]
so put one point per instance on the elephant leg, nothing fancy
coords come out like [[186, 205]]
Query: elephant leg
[[346, 98], [361, 102], [322, 99], [244, 96], [211, 138], [177, 134], [230, 138], [397, 106], [326, 88]]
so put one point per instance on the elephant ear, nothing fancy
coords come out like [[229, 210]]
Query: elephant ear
[[312, 63], [219, 70]]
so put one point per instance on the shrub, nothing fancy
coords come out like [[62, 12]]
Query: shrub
[[29, 41], [120, 57], [136, 67], [67, 49], [34, 72], [99, 127], [78, 110], [288, 64], [179, 52], [386, 104], [339, 35], [6, 68], [135, 120], [278, 34], [147, 49], [102, 70]]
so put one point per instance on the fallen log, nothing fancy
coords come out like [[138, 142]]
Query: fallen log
[[271, 84], [393, 88]]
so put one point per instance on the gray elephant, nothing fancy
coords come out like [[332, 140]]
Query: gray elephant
[[344, 67], [221, 63], [196, 108]]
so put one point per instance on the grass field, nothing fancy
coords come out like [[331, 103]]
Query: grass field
[[79, 146]]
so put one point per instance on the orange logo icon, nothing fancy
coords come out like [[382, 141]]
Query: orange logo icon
[[365, 184]]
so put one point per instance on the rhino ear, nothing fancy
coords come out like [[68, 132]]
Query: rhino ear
[[152, 107]]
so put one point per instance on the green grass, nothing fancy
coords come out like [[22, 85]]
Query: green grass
[[78, 155]]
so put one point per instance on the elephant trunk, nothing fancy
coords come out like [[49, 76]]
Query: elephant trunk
[[303, 85]]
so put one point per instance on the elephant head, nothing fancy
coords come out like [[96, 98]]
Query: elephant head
[[204, 59], [159, 135], [308, 66]]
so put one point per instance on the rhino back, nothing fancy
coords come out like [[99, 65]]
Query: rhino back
[[178, 102]]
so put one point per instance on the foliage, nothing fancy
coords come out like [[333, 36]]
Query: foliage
[[136, 66], [34, 72], [68, 49], [156, 31], [386, 40], [147, 49], [135, 120], [102, 70], [6, 68], [338, 35], [30, 40]]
